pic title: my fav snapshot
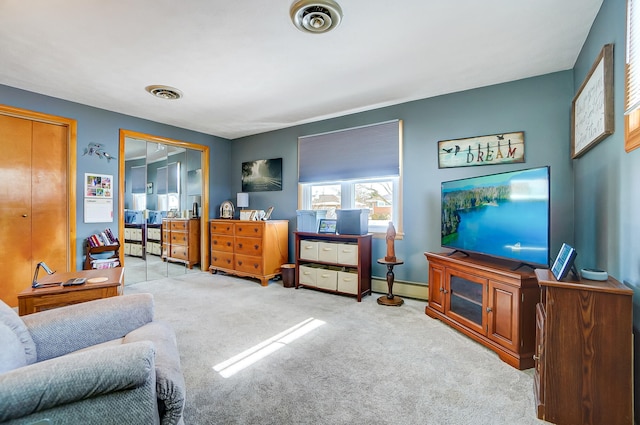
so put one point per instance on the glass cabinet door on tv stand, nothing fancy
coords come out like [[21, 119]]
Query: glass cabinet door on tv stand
[[466, 298]]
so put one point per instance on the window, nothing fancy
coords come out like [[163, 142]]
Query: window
[[355, 168], [379, 196], [632, 78]]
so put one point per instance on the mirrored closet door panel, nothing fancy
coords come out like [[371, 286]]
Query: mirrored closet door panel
[[135, 204], [162, 208], [157, 158]]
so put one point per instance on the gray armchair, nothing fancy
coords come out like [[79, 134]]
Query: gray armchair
[[100, 362]]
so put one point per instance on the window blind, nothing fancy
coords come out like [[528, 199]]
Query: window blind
[[354, 153], [139, 179], [632, 87], [167, 179]]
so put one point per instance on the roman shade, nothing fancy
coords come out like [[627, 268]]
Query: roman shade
[[168, 178], [354, 153], [139, 179]]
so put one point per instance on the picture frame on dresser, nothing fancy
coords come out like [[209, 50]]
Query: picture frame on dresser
[[327, 226]]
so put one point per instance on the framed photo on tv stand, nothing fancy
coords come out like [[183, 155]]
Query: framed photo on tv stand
[[564, 262]]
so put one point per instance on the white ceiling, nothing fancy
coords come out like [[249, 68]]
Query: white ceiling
[[245, 69]]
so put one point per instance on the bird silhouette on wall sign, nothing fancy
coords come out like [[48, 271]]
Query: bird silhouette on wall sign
[[97, 149]]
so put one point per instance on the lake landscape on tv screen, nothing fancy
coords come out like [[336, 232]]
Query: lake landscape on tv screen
[[502, 215]]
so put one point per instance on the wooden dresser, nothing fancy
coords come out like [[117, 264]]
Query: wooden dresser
[[254, 249], [583, 360], [181, 240]]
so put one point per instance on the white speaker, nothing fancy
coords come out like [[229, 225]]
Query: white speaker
[[594, 274]]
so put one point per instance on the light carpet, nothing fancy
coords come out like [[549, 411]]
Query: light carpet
[[367, 364]]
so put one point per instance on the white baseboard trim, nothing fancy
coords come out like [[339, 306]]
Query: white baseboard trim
[[401, 289]]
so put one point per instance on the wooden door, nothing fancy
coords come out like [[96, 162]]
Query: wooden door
[[34, 190]]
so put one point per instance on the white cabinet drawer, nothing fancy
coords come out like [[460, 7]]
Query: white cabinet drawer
[[327, 279], [136, 250], [309, 250], [348, 254], [307, 276], [328, 252], [153, 234], [154, 248], [348, 282]]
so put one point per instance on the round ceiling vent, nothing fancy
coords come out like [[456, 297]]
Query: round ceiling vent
[[164, 92], [316, 16]]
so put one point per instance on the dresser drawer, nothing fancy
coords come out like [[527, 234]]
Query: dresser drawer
[[248, 246], [179, 224], [307, 276], [179, 238], [309, 250], [327, 279], [222, 243], [249, 229], [348, 254], [222, 259], [348, 282], [221, 228], [136, 250], [328, 252], [154, 248], [154, 234], [248, 264], [180, 251]]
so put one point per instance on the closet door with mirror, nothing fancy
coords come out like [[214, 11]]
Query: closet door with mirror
[[161, 206]]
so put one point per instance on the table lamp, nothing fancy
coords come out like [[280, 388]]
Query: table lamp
[[242, 200]]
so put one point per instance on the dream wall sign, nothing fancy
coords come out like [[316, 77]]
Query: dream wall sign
[[506, 148]]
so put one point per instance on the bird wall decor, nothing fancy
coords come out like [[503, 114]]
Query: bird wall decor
[[97, 149]]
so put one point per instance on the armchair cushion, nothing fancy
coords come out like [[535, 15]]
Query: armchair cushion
[[18, 348], [75, 377], [67, 329]]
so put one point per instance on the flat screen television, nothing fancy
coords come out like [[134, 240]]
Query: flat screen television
[[503, 215]]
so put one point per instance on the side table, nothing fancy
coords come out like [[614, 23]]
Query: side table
[[32, 300], [390, 299]]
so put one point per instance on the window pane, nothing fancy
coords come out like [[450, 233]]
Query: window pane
[[326, 197], [174, 201], [378, 198], [163, 203], [139, 201]]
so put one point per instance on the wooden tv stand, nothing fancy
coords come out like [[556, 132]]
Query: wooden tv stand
[[488, 301]]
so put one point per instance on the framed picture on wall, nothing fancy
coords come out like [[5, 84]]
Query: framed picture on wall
[[262, 175], [592, 108]]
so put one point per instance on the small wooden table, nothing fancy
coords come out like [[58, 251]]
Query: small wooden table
[[32, 300], [390, 299]]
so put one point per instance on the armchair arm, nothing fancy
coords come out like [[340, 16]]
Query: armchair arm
[[63, 330], [78, 376]]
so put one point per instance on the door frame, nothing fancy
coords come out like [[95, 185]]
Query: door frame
[[204, 208], [72, 156]]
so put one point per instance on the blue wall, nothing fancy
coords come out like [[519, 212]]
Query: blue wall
[[100, 126], [538, 106], [606, 177]]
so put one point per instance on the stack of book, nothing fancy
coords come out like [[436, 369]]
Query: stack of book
[[105, 263], [104, 238]]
